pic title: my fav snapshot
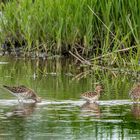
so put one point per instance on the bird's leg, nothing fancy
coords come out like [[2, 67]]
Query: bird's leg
[[20, 100], [137, 100]]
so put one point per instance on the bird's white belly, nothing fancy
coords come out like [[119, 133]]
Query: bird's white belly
[[23, 95]]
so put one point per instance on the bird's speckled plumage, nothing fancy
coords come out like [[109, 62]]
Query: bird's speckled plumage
[[92, 96], [23, 92], [135, 92]]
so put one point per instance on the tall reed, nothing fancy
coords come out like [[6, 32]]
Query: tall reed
[[95, 27]]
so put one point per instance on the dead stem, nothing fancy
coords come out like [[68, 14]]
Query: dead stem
[[121, 50]]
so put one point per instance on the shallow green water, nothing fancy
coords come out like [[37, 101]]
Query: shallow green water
[[62, 114]]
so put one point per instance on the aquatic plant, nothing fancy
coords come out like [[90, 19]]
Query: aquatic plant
[[105, 29]]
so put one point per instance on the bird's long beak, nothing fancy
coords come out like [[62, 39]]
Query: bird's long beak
[[38, 100]]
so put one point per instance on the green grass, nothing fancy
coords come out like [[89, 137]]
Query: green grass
[[94, 27]]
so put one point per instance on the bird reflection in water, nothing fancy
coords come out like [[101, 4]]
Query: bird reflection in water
[[136, 110], [91, 109], [24, 110]]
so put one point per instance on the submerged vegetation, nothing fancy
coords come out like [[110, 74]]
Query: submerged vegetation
[[106, 30]]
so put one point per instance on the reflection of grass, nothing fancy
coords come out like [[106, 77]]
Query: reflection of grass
[[91, 26], [49, 79]]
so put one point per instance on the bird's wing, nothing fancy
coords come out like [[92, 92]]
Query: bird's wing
[[89, 94], [15, 89]]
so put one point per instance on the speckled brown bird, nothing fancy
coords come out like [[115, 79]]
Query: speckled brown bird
[[92, 96], [22, 92], [135, 92], [136, 110]]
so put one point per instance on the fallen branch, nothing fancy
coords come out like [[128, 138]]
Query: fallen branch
[[81, 59], [81, 75], [86, 61]]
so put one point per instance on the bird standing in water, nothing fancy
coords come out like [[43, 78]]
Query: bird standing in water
[[22, 93], [92, 96], [135, 93]]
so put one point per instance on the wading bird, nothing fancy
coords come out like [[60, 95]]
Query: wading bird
[[23, 93], [135, 93], [92, 96]]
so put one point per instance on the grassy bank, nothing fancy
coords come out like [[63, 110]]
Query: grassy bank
[[90, 27]]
